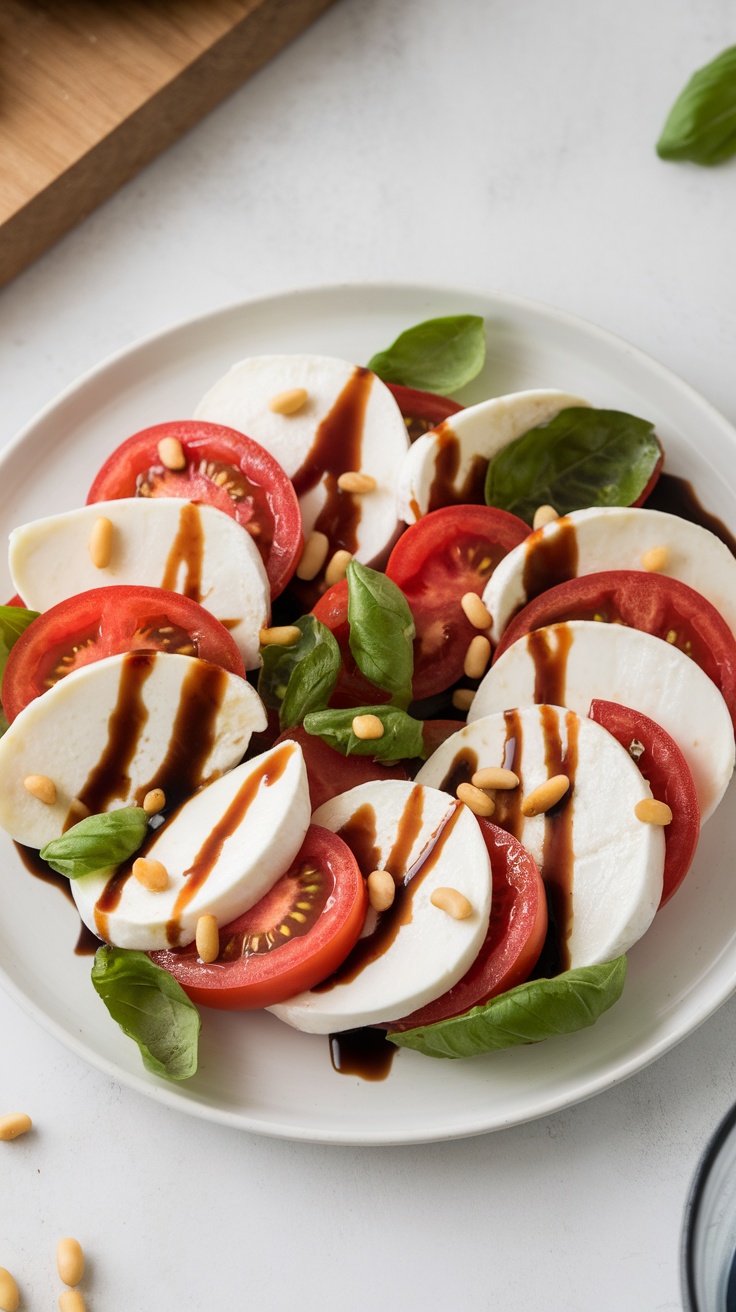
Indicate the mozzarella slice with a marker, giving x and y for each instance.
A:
(223, 850)
(420, 951)
(594, 848)
(614, 537)
(112, 730)
(576, 662)
(349, 422)
(470, 439)
(161, 542)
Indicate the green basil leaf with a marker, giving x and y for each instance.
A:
(301, 678)
(14, 620)
(151, 1008)
(702, 122)
(381, 631)
(439, 355)
(97, 842)
(402, 734)
(537, 1010)
(583, 457)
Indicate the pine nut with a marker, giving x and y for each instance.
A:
(477, 801)
(462, 699)
(72, 1301)
(494, 776)
(337, 567)
(283, 635)
(100, 542)
(40, 786)
(453, 902)
(655, 559)
(381, 890)
(151, 874)
(70, 1261)
(313, 556)
(79, 809)
(352, 481)
(477, 657)
(288, 402)
(13, 1125)
(544, 515)
(547, 795)
(171, 453)
(207, 938)
(653, 812)
(154, 801)
(367, 726)
(9, 1296)
(478, 614)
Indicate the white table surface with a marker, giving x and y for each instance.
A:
(507, 146)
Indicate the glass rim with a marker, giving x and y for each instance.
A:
(708, 1158)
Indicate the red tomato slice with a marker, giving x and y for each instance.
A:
(664, 607)
(667, 772)
(515, 937)
(224, 469)
(105, 622)
(329, 773)
(321, 901)
(422, 410)
(445, 554)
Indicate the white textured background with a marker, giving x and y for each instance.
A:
(507, 145)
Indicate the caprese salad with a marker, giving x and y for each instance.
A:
(345, 701)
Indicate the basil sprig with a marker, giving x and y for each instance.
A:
(439, 355)
(582, 457)
(381, 631)
(151, 1008)
(301, 678)
(702, 122)
(539, 1009)
(97, 842)
(402, 734)
(14, 621)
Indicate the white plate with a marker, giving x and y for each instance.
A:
(256, 1073)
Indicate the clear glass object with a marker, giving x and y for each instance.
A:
(708, 1264)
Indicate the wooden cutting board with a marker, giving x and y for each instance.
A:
(91, 90)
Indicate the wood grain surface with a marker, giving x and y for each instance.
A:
(91, 90)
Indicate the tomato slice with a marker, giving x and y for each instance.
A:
(224, 469)
(515, 937)
(664, 607)
(296, 936)
(329, 773)
(445, 554)
(667, 772)
(104, 622)
(422, 410)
